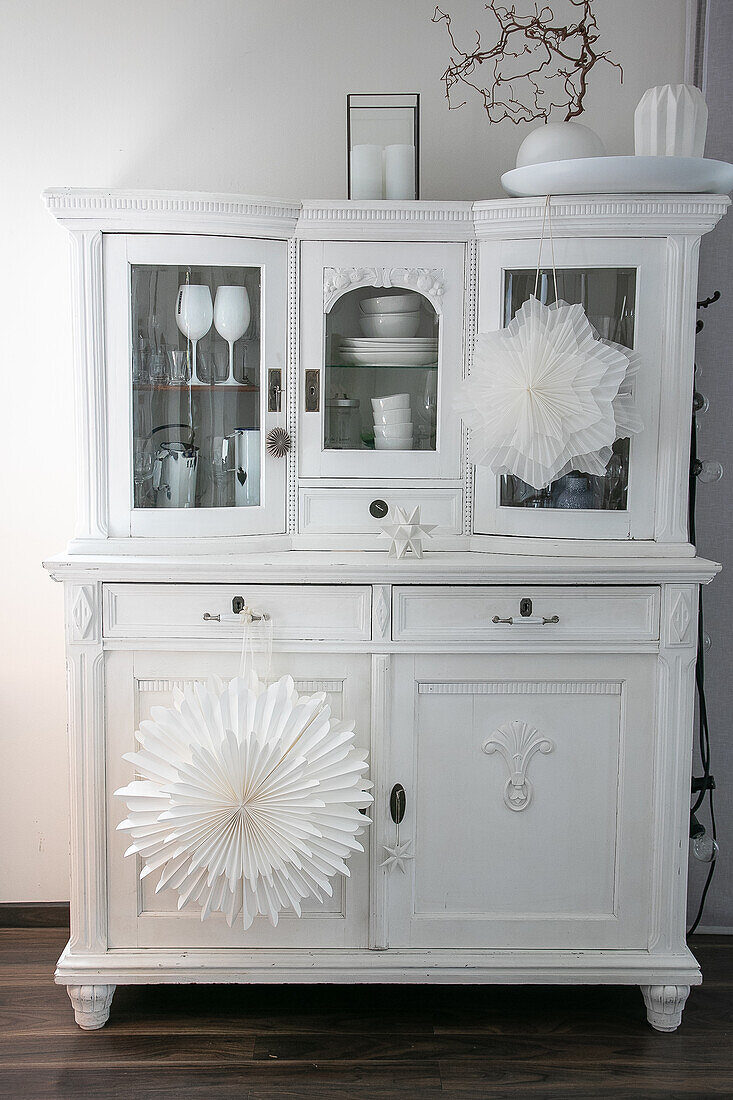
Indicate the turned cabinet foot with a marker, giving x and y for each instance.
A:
(664, 1004)
(91, 1004)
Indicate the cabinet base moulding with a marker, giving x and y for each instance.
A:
(267, 967)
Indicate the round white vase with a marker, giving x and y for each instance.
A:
(559, 141)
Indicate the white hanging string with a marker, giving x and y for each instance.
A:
(256, 640)
(546, 219)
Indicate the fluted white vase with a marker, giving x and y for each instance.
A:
(671, 121)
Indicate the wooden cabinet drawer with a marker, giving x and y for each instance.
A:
(347, 511)
(309, 612)
(482, 613)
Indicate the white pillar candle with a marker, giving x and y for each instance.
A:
(399, 171)
(366, 172)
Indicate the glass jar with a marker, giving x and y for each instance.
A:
(343, 431)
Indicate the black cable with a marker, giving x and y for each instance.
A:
(703, 727)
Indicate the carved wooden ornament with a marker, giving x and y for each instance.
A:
(517, 742)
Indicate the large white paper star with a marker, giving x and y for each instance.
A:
(546, 395)
(406, 533)
(249, 798)
(397, 856)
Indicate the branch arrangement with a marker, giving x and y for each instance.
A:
(535, 67)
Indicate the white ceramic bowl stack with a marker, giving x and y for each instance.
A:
(392, 422)
(396, 316)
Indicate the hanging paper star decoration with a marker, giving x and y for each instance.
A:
(546, 395)
(397, 856)
(406, 533)
(249, 798)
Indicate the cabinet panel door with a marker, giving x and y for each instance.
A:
(137, 681)
(188, 407)
(528, 784)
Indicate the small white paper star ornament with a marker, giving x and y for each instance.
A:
(547, 395)
(397, 855)
(406, 533)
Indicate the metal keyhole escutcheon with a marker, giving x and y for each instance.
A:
(397, 803)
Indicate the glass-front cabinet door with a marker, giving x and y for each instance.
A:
(381, 354)
(619, 285)
(196, 351)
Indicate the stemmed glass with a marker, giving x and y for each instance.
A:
(430, 405)
(232, 315)
(194, 314)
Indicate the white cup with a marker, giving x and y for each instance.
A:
(382, 444)
(392, 416)
(392, 401)
(393, 431)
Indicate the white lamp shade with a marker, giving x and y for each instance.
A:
(194, 311)
(232, 313)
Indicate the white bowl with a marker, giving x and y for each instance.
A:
(391, 303)
(393, 431)
(559, 141)
(392, 416)
(390, 324)
(391, 401)
(381, 444)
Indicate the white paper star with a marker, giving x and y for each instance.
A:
(546, 395)
(406, 533)
(249, 798)
(397, 856)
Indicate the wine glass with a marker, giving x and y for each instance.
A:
(194, 314)
(232, 315)
(430, 405)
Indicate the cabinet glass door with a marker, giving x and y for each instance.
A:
(608, 296)
(619, 285)
(195, 395)
(381, 351)
(206, 321)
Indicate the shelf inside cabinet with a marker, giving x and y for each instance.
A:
(207, 387)
(383, 366)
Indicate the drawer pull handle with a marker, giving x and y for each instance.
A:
(250, 616)
(535, 620)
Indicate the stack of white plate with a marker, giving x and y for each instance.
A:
(415, 351)
(392, 422)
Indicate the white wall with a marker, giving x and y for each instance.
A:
(226, 95)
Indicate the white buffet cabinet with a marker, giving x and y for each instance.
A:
(529, 682)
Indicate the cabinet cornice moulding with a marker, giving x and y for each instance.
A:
(386, 220)
(601, 215)
(171, 211)
(112, 210)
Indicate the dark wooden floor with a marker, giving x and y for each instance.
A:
(324, 1042)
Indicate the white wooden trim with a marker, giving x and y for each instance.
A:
(172, 212)
(600, 216)
(349, 567)
(508, 967)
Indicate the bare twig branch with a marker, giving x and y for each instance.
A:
(536, 66)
